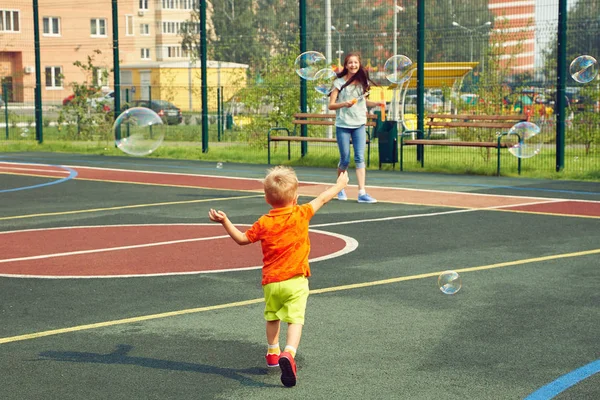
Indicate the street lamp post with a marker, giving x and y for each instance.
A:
(333, 28)
(397, 9)
(471, 32)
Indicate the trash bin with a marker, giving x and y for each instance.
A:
(387, 138)
(229, 121)
(378, 123)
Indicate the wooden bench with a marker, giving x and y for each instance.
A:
(435, 121)
(315, 120)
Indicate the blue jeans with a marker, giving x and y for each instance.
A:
(359, 138)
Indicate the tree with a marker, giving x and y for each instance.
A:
(81, 118)
(583, 35)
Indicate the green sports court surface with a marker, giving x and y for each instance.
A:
(115, 285)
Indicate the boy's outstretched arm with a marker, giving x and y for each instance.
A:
(220, 217)
(330, 193)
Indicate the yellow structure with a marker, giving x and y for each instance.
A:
(438, 75)
(179, 82)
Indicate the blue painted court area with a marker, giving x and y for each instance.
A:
(72, 175)
(566, 381)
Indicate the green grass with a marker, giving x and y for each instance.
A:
(578, 165)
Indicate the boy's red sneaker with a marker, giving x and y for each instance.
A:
(272, 360)
(288, 369)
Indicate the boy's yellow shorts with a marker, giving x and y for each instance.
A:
(286, 300)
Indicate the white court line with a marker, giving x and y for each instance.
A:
(10, 169)
(320, 183)
(434, 214)
(330, 184)
(106, 249)
(351, 244)
(165, 173)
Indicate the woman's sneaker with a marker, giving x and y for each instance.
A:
(365, 198)
(342, 195)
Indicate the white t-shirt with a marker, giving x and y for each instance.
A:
(350, 117)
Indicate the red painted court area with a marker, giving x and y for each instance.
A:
(133, 250)
(567, 207)
(396, 195)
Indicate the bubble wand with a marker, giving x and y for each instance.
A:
(362, 96)
(382, 105)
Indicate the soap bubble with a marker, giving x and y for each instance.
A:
(584, 69)
(309, 63)
(449, 282)
(398, 69)
(138, 131)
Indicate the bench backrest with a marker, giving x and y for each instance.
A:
(325, 119)
(474, 120)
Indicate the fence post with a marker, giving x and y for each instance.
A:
(219, 114)
(5, 97)
(39, 133)
(561, 79)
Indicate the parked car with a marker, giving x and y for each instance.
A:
(67, 100)
(432, 103)
(92, 91)
(95, 98)
(107, 101)
(169, 113)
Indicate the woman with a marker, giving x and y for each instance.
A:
(349, 100)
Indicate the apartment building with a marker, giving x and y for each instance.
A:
(514, 31)
(71, 31)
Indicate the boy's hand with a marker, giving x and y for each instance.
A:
(343, 179)
(217, 216)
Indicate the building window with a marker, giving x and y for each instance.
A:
(51, 26)
(179, 4)
(53, 77)
(145, 54)
(188, 4)
(171, 27)
(143, 4)
(129, 25)
(101, 75)
(173, 51)
(98, 27)
(189, 27)
(9, 21)
(145, 29)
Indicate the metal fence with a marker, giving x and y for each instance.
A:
(251, 81)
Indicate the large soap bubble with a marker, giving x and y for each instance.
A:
(309, 63)
(398, 69)
(324, 81)
(529, 141)
(584, 69)
(139, 131)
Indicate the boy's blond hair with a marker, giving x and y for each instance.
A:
(281, 185)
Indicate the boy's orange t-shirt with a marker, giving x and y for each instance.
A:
(283, 234)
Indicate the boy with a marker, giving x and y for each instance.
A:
(283, 234)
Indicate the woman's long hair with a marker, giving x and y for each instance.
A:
(362, 75)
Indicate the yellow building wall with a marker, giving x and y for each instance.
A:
(173, 84)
